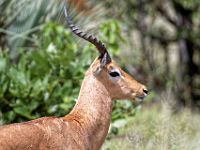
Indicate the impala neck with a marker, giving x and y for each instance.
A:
(93, 109)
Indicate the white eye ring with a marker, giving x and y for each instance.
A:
(114, 73)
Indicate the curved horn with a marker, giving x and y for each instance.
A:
(99, 45)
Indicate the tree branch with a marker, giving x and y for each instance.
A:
(160, 38)
(166, 15)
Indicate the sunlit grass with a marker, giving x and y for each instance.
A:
(158, 129)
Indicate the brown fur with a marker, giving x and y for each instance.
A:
(85, 127)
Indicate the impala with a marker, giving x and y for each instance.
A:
(86, 126)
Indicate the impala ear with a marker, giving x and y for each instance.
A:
(105, 59)
(97, 71)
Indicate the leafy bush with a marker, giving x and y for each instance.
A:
(46, 79)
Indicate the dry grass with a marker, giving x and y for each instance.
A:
(158, 129)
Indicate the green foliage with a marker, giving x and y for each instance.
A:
(46, 79)
(110, 33)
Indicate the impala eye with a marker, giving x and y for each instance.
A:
(114, 73)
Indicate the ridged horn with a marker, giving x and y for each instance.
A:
(99, 45)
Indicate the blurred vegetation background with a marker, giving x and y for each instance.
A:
(42, 64)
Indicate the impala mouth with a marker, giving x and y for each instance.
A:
(141, 97)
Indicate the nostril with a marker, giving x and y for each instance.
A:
(145, 91)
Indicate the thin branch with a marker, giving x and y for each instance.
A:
(166, 15)
(160, 38)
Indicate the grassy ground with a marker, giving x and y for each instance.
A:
(158, 129)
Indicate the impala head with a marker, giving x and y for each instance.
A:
(118, 83)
